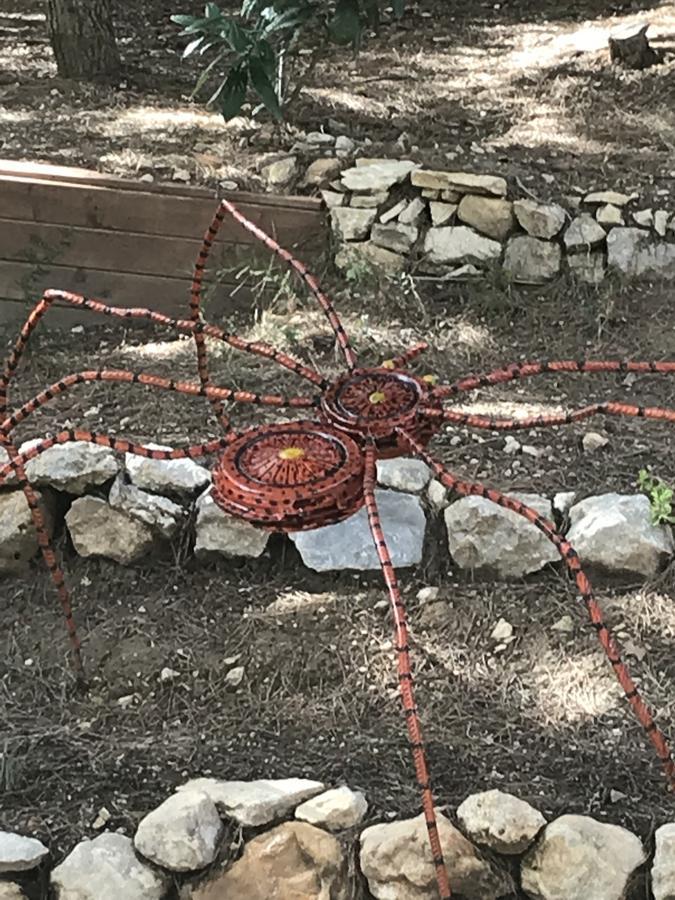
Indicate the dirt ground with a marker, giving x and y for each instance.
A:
(543, 719)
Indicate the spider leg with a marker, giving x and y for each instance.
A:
(120, 445)
(405, 678)
(258, 348)
(154, 381)
(48, 554)
(573, 564)
(608, 408)
(324, 302)
(400, 362)
(546, 367)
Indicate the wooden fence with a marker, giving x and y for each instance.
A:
(127, 242)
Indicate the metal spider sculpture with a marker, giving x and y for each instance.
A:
(321, 469)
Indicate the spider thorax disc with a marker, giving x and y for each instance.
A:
(374, 403)
(290, 477)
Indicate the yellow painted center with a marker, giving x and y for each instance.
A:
(291, 453)
(377, 397)
(388, 364)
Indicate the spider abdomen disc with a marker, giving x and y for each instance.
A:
(294, 476)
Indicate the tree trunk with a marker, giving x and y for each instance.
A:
(83, 39)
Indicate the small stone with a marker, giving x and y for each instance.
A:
(459, 244)
(18, 539)
(437, 495)
(182, 834)
(321, 171)
(451, 197)
(72, 467)
(464, 273)
(615, 533)
(412, 212)
(564, 625)
(660, 222)
(529, 260)
(159, 513)
(332, 198)
(612, 197)
(344, 145)
(349, 544)
(235, 677)
(403, 473)
(592, 441)
(428, 194)
(562, 501)
(579, 858)
(483, 535)
(352, 224)
(500, 821)
(368, 201)
(334, 810)
(511, 445)
(147, 178)
(19, 853)
(663, 867)
(181, 175)
(631, 252)
(368, 253)
(583, 232)
(428, 595)
(503, 631)
(586, 267)
(617, 796)
(644, 218)
(393, 211)
(441, 213)
(96, 529)
(281, 172)
(396, 861)
(395, 237)
(294, 861)
(491, 216)
(107, 868)
(540, 220)
(376, 175)
(102, 818)
(218, 532)
(255, 803)
(173, 476)
(319, 139)
(167, 675)
(609, 215)
(460, 182)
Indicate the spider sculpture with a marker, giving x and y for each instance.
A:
(321, 469)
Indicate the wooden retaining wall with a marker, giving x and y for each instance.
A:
(127, 242)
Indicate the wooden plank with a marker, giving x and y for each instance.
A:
(28, 170)
(92, 206)
(22, 285)
(117, 251)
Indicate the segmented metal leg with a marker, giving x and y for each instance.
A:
(499, 423)
(571, 561)
(405, 677)
(530, 369)
(324, 302)
(400, 362)
(153, 381)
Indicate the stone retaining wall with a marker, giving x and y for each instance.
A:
(300, 837)
(397, 216)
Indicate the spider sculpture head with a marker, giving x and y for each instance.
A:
(321, 469)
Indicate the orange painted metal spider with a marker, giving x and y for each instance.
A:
(321, 469)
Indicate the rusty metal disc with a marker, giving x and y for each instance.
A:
(291, 477)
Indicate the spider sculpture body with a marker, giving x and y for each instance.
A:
(321, 468)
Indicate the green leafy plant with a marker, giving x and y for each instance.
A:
(660, 497)
(251, 49)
